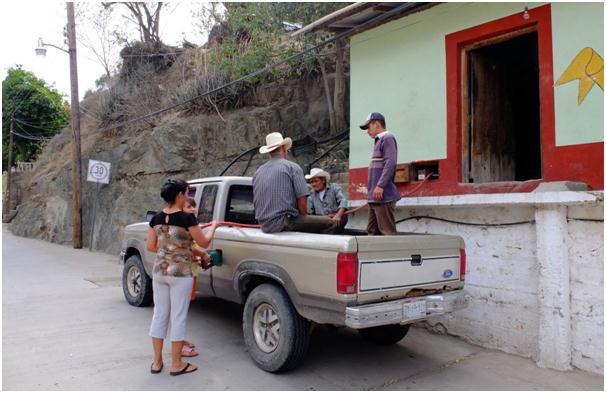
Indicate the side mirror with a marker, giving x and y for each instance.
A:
(150, 214)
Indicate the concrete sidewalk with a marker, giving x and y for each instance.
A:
(67, 326)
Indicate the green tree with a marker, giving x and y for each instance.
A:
(257, 37)
(36, 110)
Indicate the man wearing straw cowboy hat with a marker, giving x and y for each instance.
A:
(326, 199)
(280, 193)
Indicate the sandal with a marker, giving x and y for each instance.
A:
(187, 343)
(184, 371)
(188, 352)
(151, 369)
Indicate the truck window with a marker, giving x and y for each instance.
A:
(206, 207)
(240, 207)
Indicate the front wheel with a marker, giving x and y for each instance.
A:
(384, 335)
(136, 284)
(276, 336)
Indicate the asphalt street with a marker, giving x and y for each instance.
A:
(66, 326)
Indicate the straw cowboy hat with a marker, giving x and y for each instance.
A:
(318, 172)
(273, 141)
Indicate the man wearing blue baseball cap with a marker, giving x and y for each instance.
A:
(382, 191)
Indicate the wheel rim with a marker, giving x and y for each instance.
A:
(133, 281)
(266, 325)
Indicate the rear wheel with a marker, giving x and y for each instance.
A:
(384, 335)
(276, 336)
(136, 284)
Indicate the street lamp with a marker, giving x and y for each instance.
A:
(76, 150)
(41, 51)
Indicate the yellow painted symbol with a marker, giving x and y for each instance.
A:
(588, 68)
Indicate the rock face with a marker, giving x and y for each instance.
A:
(176, 146)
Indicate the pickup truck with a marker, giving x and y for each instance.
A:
(290, 281)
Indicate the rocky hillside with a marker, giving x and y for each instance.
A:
(189, 143)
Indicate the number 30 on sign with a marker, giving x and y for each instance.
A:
(98, 171)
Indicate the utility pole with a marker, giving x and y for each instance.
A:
(76, 152)
(7, 198)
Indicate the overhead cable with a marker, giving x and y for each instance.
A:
(382, 17)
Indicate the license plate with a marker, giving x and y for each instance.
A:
(414, 310)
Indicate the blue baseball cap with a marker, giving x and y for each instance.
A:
(371, 117)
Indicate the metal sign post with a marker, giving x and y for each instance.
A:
(98, 172)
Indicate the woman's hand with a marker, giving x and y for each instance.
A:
(206, 262)
(203, 238)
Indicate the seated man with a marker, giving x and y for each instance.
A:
(280, 193)
(326, 199)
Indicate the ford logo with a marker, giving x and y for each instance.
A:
(447, 273)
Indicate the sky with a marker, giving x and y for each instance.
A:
(23, 22)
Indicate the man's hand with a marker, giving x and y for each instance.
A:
(337, 216)
(377, 195)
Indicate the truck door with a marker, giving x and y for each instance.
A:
(239, 209)
(206, 197)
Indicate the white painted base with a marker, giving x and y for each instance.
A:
(519, 276)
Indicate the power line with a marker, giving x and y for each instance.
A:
(34, 126)
(20, 100)
(387, 15)
(30, 136)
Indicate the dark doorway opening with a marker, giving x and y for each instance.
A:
(501, 124)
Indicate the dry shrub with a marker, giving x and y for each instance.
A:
(205, 77)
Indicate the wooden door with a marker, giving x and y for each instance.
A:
(491, 138)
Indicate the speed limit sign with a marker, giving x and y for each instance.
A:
(98, 171)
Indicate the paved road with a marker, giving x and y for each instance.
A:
(66, 326)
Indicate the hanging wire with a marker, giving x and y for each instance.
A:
(387, 15)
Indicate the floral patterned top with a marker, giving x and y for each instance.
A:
(174, 254)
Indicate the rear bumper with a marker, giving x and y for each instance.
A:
(390, 313)
(122, 256)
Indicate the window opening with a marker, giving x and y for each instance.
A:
(206, 206)
(240, 208)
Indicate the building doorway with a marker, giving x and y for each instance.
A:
(501, 138)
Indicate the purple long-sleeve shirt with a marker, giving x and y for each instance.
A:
(382, 169)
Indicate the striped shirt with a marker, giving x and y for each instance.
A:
(329, 203)
(276, 186)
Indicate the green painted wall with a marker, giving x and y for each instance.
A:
(574, 27)
(399, 69)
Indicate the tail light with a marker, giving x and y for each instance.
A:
(347, 273)
(462, 265)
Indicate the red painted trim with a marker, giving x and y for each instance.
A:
(583, 163)
(358, 178)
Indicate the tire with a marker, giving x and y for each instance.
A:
(136, 284)
(384, 335)
(287, 347)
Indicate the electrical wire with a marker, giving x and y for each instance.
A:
(253, 150)
(21, 99)
(31, 137)
(37, 127)
(387, 15)
(28, 137)
(479, 224)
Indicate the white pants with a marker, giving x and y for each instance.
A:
(171, 302)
